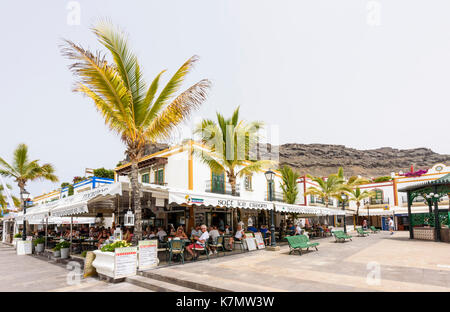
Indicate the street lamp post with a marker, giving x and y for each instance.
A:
(269, 177)
(24, 194)
(344, 198)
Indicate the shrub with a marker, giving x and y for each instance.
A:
(63, 244)
(83, 254)
(18, 235)
(382, 179)
(39, 240)
(56, 248)
(112, 247)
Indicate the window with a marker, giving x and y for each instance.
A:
(146, 178)
(248, 183)
(159, 176)
(218, 183)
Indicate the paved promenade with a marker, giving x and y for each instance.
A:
(380, 262)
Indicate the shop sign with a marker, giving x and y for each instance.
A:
(251, 243)
(125, 262)
(148, 254)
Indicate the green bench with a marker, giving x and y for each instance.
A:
(341, 236)
(374, 229)
(361, 232)
(299, 242)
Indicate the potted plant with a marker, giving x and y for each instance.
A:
(57, 251)
(104, 258)
(64, 248)
(39, 244)
(17, 237)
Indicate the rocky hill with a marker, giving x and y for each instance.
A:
(323, 159)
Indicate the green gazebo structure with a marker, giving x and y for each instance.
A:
(432, 192)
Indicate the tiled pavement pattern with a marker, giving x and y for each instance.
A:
(405, 265)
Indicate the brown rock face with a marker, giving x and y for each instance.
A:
(323, 159)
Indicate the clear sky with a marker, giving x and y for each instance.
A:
(364, 73)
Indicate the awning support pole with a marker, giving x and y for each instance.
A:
(46, 226)
(411, 234)
(71, 221)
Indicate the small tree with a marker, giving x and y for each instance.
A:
(104, 173)
(289, 185)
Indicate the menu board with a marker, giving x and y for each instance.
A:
(24, 247)
(148, 254)
(259, 241)
(125, 262)
(251, 243)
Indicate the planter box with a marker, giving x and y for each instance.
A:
(65, 253)
(445, 235)
(118, 264)
(39, 248)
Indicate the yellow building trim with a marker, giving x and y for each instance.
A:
(422, 180)
(190, 168)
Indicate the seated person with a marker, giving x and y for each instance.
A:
(128, 236)
(102, 237)
(291, 229)
(252, 229)
(200, 241)
(298, 230)
(266, 233)
(227, 230)
(196, 232)
(240, 235)
(161, 234)
(180, 233)
(214, 234)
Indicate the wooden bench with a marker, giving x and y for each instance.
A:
(299, 242)
(341, 236)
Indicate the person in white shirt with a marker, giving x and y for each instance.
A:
(161, 234)
(201, 241)
(298, 230)
(391, 225)
(214, 234)
(240, 235)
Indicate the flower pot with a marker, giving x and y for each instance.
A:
(56, 253)
(39, 248)
(104, 263)
(64, 253)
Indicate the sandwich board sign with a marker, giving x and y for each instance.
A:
(259, 241)
(125, 262)
(148, 254)
(251, 244)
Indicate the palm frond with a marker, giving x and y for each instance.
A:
(177, 111)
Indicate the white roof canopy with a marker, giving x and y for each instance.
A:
(307, 210)
(216, 200)
(78, 203)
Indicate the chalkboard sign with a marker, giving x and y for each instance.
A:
(259, 241)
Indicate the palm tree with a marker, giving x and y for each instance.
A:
(3, 202)
(230, 144)
(22, 170)
(130, 107)
(357, 196)
(331, 186)
(289, 186)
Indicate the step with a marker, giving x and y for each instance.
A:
(156, 285)
(152, 274)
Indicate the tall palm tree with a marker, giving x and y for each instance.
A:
(357, 196)
(131, 108)
(327, 188)
(230, 144)
(23, 170)
(289, 186)
(3, 201)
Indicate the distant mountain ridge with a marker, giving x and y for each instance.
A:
(323, 159)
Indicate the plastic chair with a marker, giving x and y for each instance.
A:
(176, 247)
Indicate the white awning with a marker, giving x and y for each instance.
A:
(19, 217)
(78, 203)
(307, 210)
(376, 212)
(183, 197)
(37, 213)
(64, 220)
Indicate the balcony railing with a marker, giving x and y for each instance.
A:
(374, 201)
(276, 196)
(226, 190)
